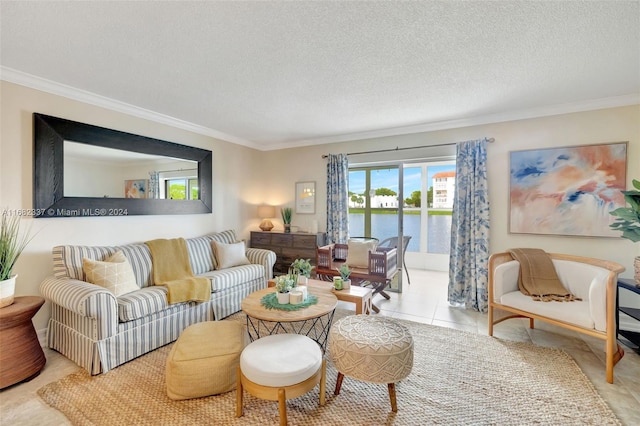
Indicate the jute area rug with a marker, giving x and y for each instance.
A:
(458, 378)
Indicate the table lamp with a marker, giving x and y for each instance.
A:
(265, 213)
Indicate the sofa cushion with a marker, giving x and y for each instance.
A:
(228, 255)
(67, 260)
(143, 302)
(223, 279)
(200, 254)
(576, 312)
(114, 273)
(358, 253)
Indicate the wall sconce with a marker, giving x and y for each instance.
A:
(265, 213)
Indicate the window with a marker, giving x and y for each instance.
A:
(181, 188)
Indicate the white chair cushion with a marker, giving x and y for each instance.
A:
(281, 360)
(576, 312)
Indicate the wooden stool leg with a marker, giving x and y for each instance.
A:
(239, 393)
(323, 381)
(338, 383)
(282, 407)
(392, 396)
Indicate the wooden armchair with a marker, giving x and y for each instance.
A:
(594, 281)
(382, 267)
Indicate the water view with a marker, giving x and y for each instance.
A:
(386, 225)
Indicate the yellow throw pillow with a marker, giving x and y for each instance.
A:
(228, 255)
(358, 253)
(114, 273)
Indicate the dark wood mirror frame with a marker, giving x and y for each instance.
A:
(49, 134)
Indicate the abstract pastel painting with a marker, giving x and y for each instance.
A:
(135, 188)
(568, 190)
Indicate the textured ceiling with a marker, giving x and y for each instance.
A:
(278, 74)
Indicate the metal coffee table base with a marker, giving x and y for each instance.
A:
(314, 328)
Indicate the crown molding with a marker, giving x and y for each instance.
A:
(568, 108)
(38, 83)
(34, 82)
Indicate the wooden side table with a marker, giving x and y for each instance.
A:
(21, 356)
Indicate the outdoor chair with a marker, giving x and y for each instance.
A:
(393, 243)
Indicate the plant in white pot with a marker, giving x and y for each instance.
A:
(284, 284)
(302, 268)
(12, 243)
(628, 221)
(345, 273)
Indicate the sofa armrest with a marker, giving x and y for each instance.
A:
(84, 299)
(504, 279)
(266, 258)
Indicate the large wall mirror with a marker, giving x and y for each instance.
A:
(85, 170)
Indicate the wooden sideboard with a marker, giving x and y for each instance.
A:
(288, 246)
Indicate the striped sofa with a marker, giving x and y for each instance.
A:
(100, 331)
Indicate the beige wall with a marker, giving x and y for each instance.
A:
(244, 178)
(602, 126)
(235, 185)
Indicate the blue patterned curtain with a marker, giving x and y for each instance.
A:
(154, 185)
(337, 198)
(469, 256)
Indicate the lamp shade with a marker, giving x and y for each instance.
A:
(265, 212)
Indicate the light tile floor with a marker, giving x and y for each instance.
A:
(425, 301)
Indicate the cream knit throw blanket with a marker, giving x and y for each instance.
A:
(538, 277)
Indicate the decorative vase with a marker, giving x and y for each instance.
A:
(346, 284)
(7, 291)
(283, 298)
(287, 228)
(302, 280)
(636, 266)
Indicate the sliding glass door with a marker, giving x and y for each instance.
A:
(411, 200)
(375, 206)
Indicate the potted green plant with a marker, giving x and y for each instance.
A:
(345, 273)
(628, 221)
(284, 284)
(286, 213)
(12, 243)
(302, 268)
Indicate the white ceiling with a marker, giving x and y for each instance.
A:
(280, 74)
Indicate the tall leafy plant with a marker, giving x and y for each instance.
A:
(628, 218)
(12, 243)
(286, 213)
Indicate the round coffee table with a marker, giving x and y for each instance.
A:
(313, 321)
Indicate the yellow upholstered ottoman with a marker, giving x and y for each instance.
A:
(204, 360)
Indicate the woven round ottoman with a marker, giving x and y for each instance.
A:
(204, 359)
(280, 367)
(373, 349)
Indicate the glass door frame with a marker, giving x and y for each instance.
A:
(400, 217)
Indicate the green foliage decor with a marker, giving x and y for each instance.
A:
(345, 272)
(628, 218)
(286, 213)
(12, 243)
(301, 267)
(284, 283)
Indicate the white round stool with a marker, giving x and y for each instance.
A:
(280, 367)
(371, 348)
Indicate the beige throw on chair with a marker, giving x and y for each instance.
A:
(538, 277)
(171, 268)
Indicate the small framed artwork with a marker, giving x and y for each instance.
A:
(136, 188)
(306, 197)
(568, 190)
